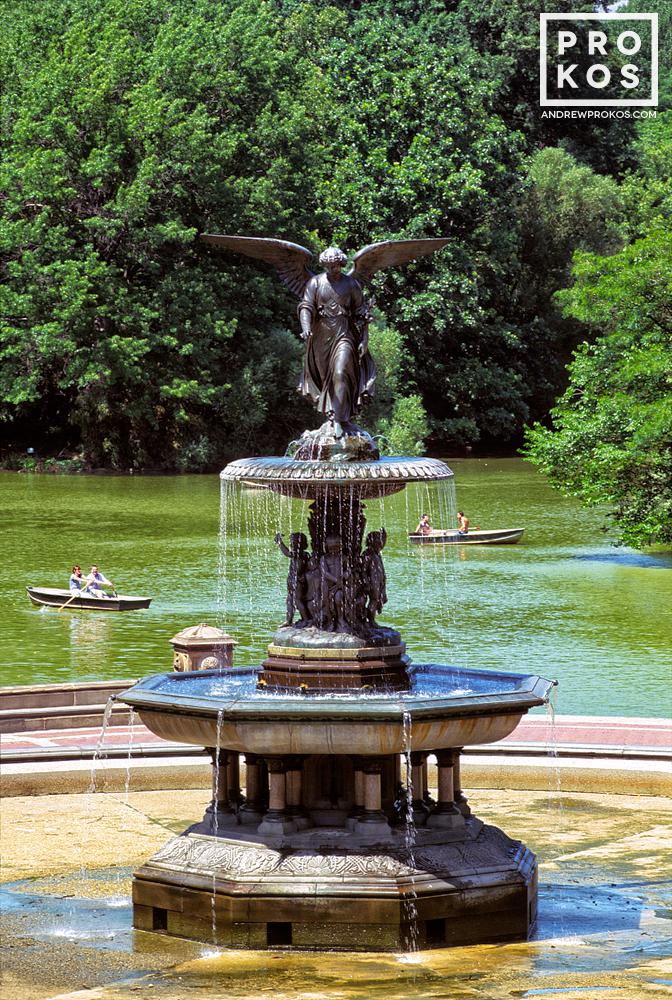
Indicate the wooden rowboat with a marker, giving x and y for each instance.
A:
(502, 536)
(50, 597)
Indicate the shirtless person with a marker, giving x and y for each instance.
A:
(463, 522)
(424, 527)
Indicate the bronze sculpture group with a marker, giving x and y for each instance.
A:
(334, 591)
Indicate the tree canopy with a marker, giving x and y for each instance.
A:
(610, 440)
(129, 126)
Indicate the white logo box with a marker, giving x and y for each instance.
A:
(579, 18)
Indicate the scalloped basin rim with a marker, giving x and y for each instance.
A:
(315, 472)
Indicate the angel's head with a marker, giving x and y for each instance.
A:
(333, 259)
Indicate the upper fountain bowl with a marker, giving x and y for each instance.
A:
(305, 479)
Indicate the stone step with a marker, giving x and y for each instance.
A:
(60, 706)
(55, 695)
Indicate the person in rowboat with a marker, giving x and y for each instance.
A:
(424, 527)
(76, 580)
(95, 581)
(463, 522)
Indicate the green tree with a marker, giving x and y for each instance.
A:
(422, 154)
(564, 206)
(396, 413)
(127, 126)
(611, 437)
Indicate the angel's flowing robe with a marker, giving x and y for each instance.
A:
(334, 376)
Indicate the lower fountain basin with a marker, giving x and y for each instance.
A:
(447, 708)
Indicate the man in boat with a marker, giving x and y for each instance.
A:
(95, 581)
(463, 522)
(76, 580)
(424, 527)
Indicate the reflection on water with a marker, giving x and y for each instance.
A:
(90, 637)
(563, 603)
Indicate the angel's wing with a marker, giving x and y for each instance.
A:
(289, 259)
(389, 253)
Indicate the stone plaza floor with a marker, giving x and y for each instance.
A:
(604, 929)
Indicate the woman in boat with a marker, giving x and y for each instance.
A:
(76, 580)
(95, 581)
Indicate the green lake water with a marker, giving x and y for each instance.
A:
(564, 603)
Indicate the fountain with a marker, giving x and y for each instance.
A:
(328, 847)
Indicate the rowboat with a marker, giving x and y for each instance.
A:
(50, 597)
(502, 536)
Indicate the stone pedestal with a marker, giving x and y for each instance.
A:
(309, 659)
(326, 889)
(202, 647)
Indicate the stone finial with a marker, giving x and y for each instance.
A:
(202, 647)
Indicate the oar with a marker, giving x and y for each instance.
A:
(74, 596)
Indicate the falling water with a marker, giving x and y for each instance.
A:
(91, 790)
(215, 820)
(447, 556)
(98, 752)
(554, 786)
(131, 733)
(410, 900)
(252, 568)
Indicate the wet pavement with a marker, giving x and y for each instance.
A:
(605, 909)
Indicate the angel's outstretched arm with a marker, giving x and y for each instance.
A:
(290, 260)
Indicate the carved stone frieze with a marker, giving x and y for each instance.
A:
(233, 861)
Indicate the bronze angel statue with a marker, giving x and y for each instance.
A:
(338, 372)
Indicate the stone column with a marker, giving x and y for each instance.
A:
(446, 814)
(418, 770)
(460, 797)
(220, 810)
(252, 810)
(426, 797)
(276, 821)
(293, 784)
(357, 793)
(235, 798)
(372, 821)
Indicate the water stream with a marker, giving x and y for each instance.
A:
(409, 905)
(215, 820)
(99, 752)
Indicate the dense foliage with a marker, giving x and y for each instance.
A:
(120, 143)
(610, 441)
(128, 126)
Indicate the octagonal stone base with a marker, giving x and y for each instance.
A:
(451, 888)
